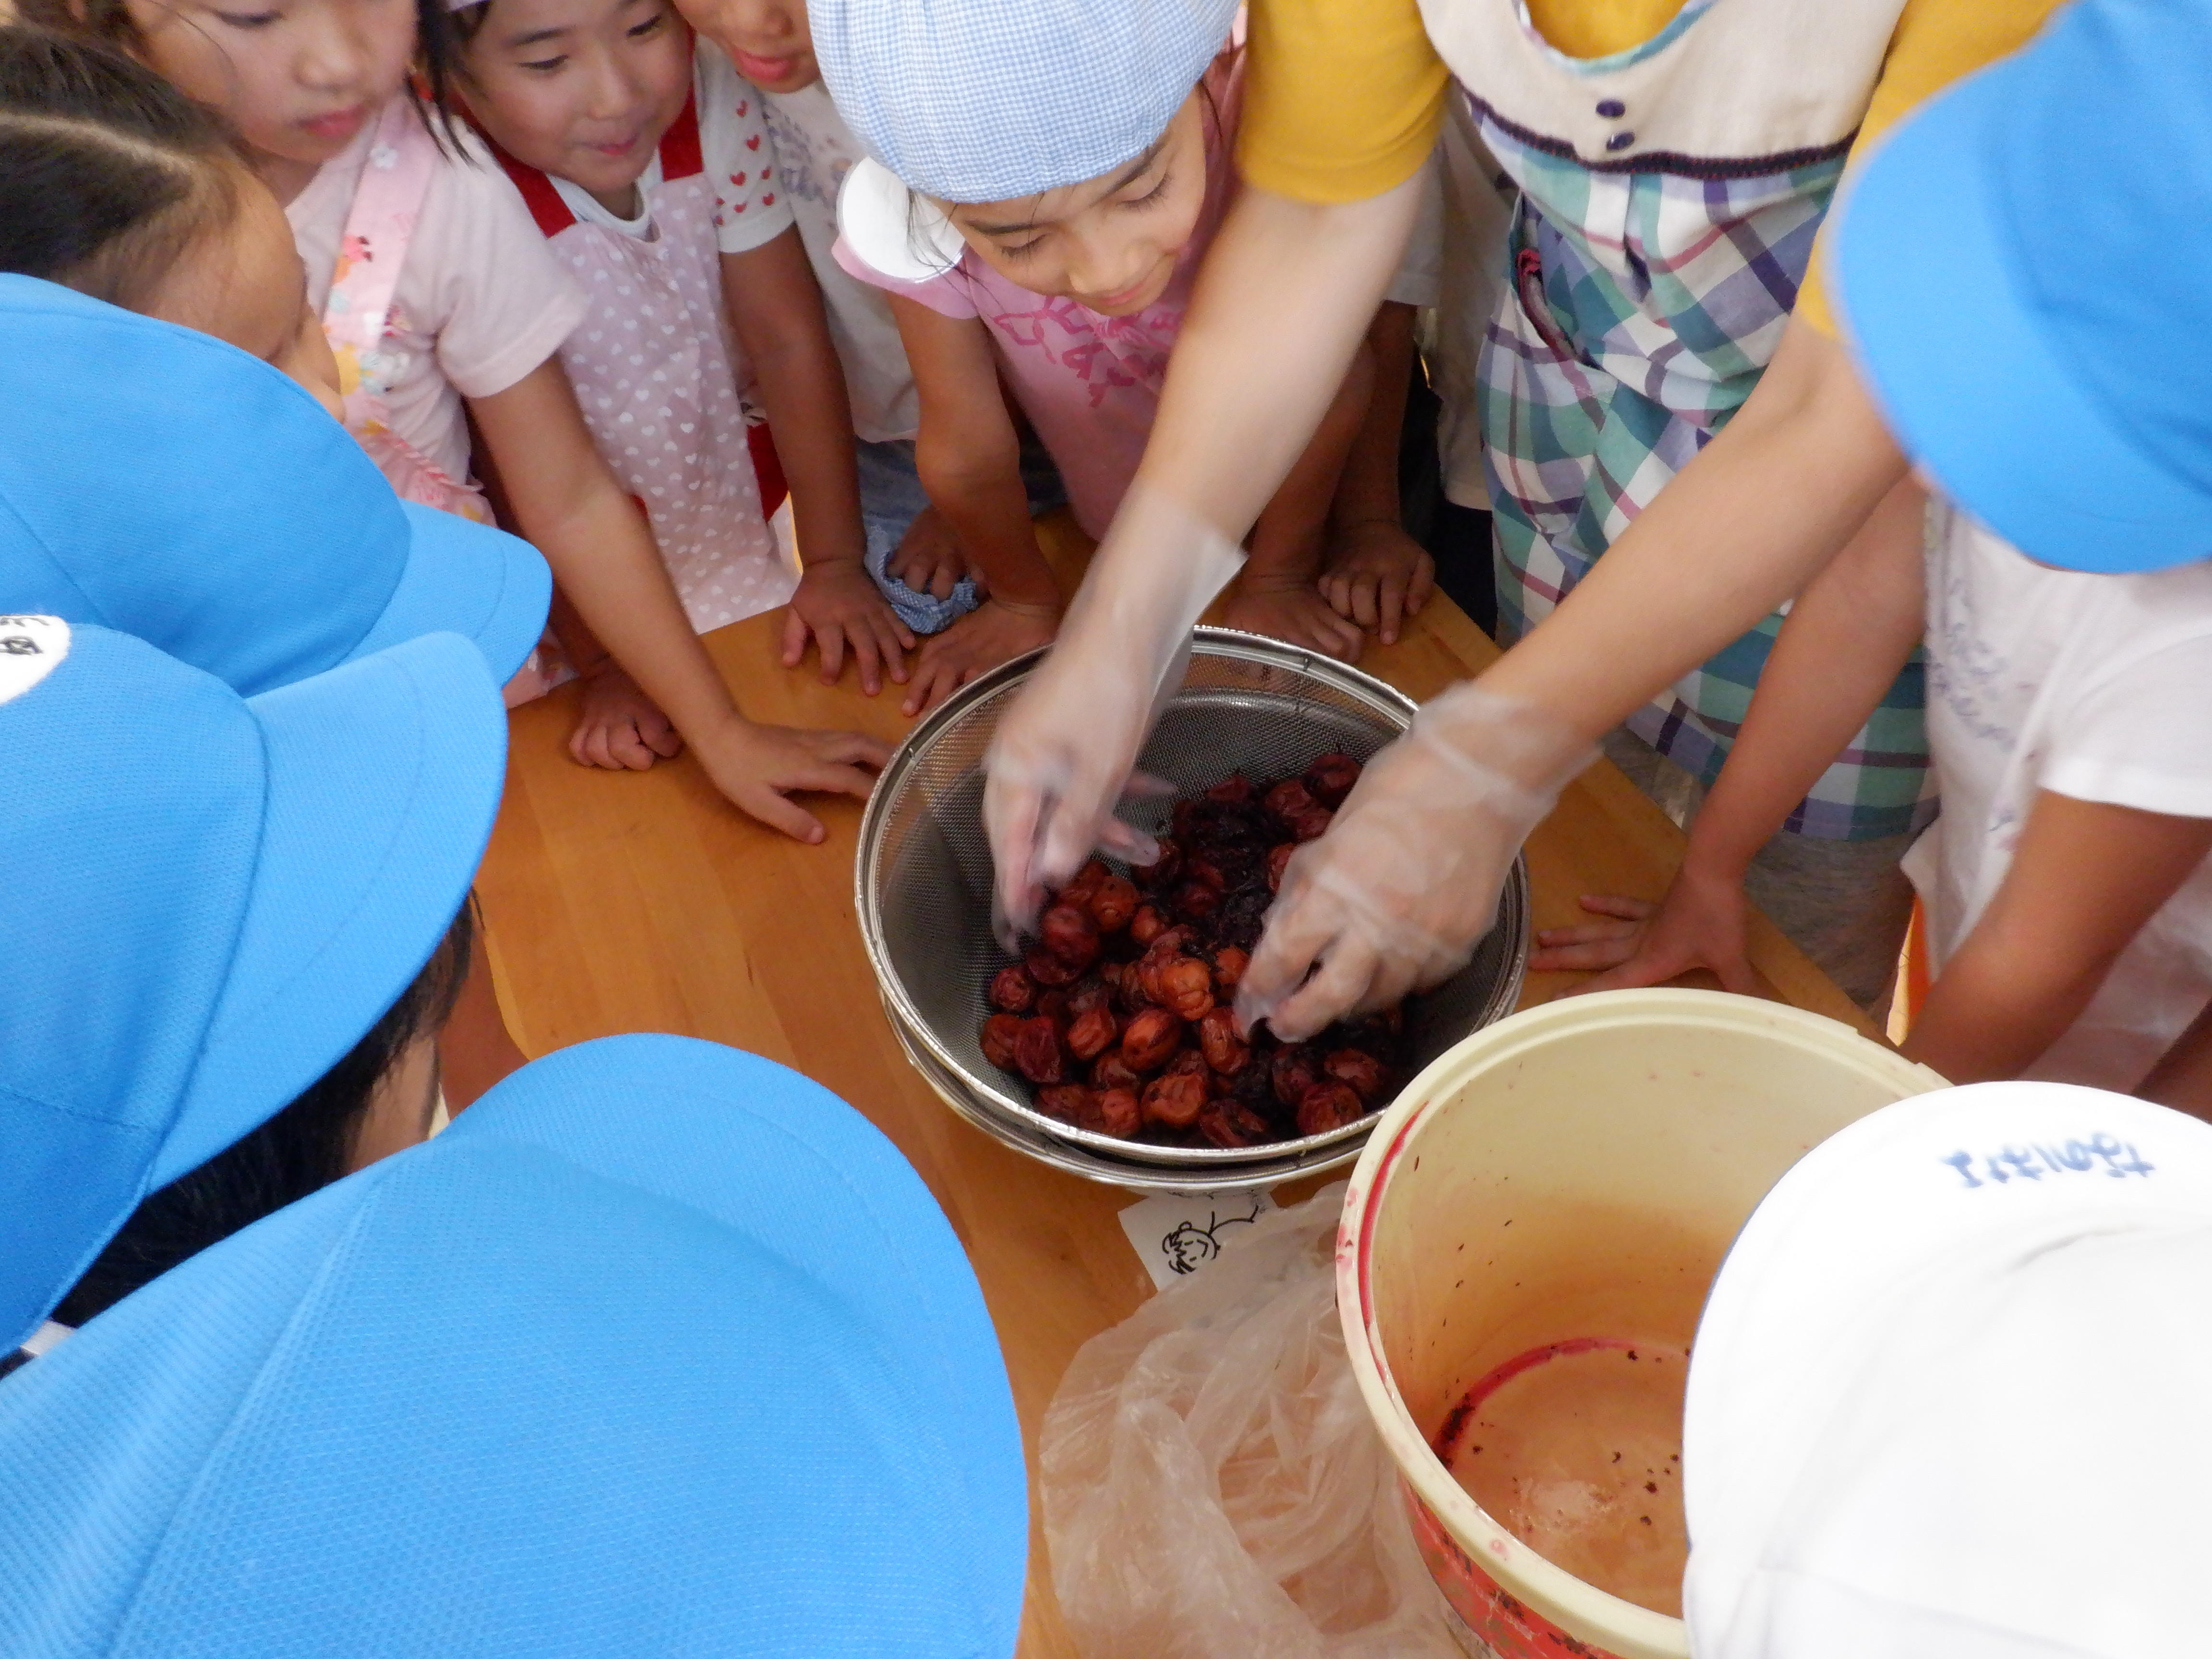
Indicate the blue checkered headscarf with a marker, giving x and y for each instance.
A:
(985, 101)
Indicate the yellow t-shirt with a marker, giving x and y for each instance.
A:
(1343, 98)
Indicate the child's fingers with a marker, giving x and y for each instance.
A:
(829, 638)
(1392, 607)
(835, 781)
(849, 748)
(943, 580)
(1586, 933)
(867, 661)
(1336, 588)
(1423, 584)
(1363, 601)
(664, 740)
(794, 637)
(932, 679)
(899, 630)
(628, 744)
(1618, 904)
(762, 801)
(1582, 956)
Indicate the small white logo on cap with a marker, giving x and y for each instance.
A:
(31, 647)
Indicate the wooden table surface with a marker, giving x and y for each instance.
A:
(642, 902)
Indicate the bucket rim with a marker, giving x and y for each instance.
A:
(1634, 1632)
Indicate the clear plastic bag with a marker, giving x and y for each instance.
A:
(1213, 1488)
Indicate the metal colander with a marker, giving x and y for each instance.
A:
(923, 891)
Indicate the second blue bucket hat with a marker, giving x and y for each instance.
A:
(213, 898)
(157, 480)
(2021, 270)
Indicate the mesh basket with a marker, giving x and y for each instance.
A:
(924, 891)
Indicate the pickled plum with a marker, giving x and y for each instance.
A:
(1149, 1039)
(1174, 1100)
(1069, 933)
(1328, 1106)
(1000, 1032)
(1039, 1055)
(1092, 1033)
(1012, 991)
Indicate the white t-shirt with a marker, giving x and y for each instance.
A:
(2095, 687)
(814, 150)
(481, 300)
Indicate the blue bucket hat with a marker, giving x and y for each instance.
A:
(2020, 269)
(978, 101)
(213, 898)
(660, 1349)
(155, 480)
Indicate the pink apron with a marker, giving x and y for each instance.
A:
(387, 204)
(655, 368)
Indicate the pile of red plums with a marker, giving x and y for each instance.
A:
(1119, 1011)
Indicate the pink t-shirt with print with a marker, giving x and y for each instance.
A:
(1089, 384)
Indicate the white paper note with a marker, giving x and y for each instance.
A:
(1178, 1234)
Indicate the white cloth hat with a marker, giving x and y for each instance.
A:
(984, 100)
(1952, 1393)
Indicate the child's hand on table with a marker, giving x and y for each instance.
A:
(929, 558)
(994, 632)
(756, 767)
(1290, 609)
(618, 727)
(1701, 923)
(1377, 576)
(837, 604)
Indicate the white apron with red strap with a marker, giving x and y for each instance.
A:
(381, 223)
(655, 368)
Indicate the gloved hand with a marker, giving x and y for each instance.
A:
(1065, 752)
(1405, 883)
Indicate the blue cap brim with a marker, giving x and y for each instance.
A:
(384, 777)
(1964, 365)
(660, 1349)
(470, 579)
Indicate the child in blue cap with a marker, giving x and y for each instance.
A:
(660, 1349)
(2065, 596)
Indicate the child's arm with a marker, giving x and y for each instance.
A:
(970, 461)
(2183, 1077)
(1377, 575)
(567, 504)
(1278, 591)
(2084, 878)
(1847, 637)
(775, 307)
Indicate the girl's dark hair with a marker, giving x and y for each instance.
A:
(108, 172)
(438, 44)
(305, 1147)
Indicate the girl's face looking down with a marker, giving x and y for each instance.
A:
(1109, 244)
(297, 79)
(243, 283)
(767, 39)
(582, 89)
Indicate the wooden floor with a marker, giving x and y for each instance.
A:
(642, 902)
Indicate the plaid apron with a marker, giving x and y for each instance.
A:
(1642, 307)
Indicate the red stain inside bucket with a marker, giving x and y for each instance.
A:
(1576, 1449)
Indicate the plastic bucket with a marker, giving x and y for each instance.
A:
(1574, 1172)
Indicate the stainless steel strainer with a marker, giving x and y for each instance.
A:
(923, 891)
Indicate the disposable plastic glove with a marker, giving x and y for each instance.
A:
(1398, 893)
(1066, 752)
